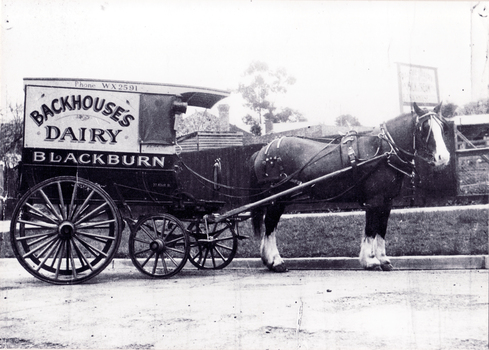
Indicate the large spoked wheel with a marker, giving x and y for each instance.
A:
(159, 245)
(214, 250)
(65, 230)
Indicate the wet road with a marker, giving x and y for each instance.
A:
(247, 309)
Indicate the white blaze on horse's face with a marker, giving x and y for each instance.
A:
(441, 156)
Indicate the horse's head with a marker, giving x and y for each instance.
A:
(429, 136)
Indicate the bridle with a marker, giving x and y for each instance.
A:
(396, 151)
(420, 120)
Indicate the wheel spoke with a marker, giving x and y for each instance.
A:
(169, 234)
(50, 205)
(38, 224)
(24, 238)
(39, 247)
(223, 247)
(199, 253)
(39, 213)
(204, 258)
(155, 229)
(83, 207)
(46, 257)
(223, 239)
(148, 258)
(91, 214)
(176, 250)
(102, 238)
(165, 267)
(212, 257)
(63, 211)
(169, 257)
(143, 251)
(179, 238)
(72, 202)
(220, 254)
(94, 224)
(140, 240)
(72, 260)
(81, 257)
(152, 238)
(33, 243)
(91, 247)
(156, 263)
(58, 249)
(60, 260)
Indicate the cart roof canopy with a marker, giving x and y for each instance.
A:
(193, 96)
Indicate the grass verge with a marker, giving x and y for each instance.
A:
(448, 232)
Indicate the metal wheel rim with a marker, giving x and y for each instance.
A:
(65, 230)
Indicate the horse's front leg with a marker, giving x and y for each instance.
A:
(372, 252)
(384, 214)
(368, 260)
(270, 255)
(268, 248)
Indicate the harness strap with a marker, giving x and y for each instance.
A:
(349, 140)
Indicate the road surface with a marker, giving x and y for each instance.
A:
(247, 309)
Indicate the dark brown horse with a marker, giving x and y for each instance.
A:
(389, 152)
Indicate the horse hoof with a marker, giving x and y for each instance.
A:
(374, 268)
(387, 267)
(279, 268)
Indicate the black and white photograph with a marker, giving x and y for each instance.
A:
(244, 175)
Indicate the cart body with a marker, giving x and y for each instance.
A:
(107, 132)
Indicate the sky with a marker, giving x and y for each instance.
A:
(342, 54)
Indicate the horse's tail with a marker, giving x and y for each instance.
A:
(256, 213)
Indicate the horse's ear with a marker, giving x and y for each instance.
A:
(437, 109)
(418, 110)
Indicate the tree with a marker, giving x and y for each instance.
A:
(198, 121)
(448, 110)
(263, 83)
(479, 107)
(347, 120)
(288, 115)
(11, 136)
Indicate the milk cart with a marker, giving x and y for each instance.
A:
(99, 155)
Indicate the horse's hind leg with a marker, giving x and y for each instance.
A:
(268, 248)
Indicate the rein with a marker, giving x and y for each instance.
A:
(384, 135)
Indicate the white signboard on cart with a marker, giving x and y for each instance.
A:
(63, 118)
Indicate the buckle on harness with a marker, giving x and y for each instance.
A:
(351, 156)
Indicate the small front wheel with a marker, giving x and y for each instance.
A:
(212, 247)
(159, 245)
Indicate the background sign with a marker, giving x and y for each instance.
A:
(417, 84)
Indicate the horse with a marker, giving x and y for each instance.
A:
(374, 166)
